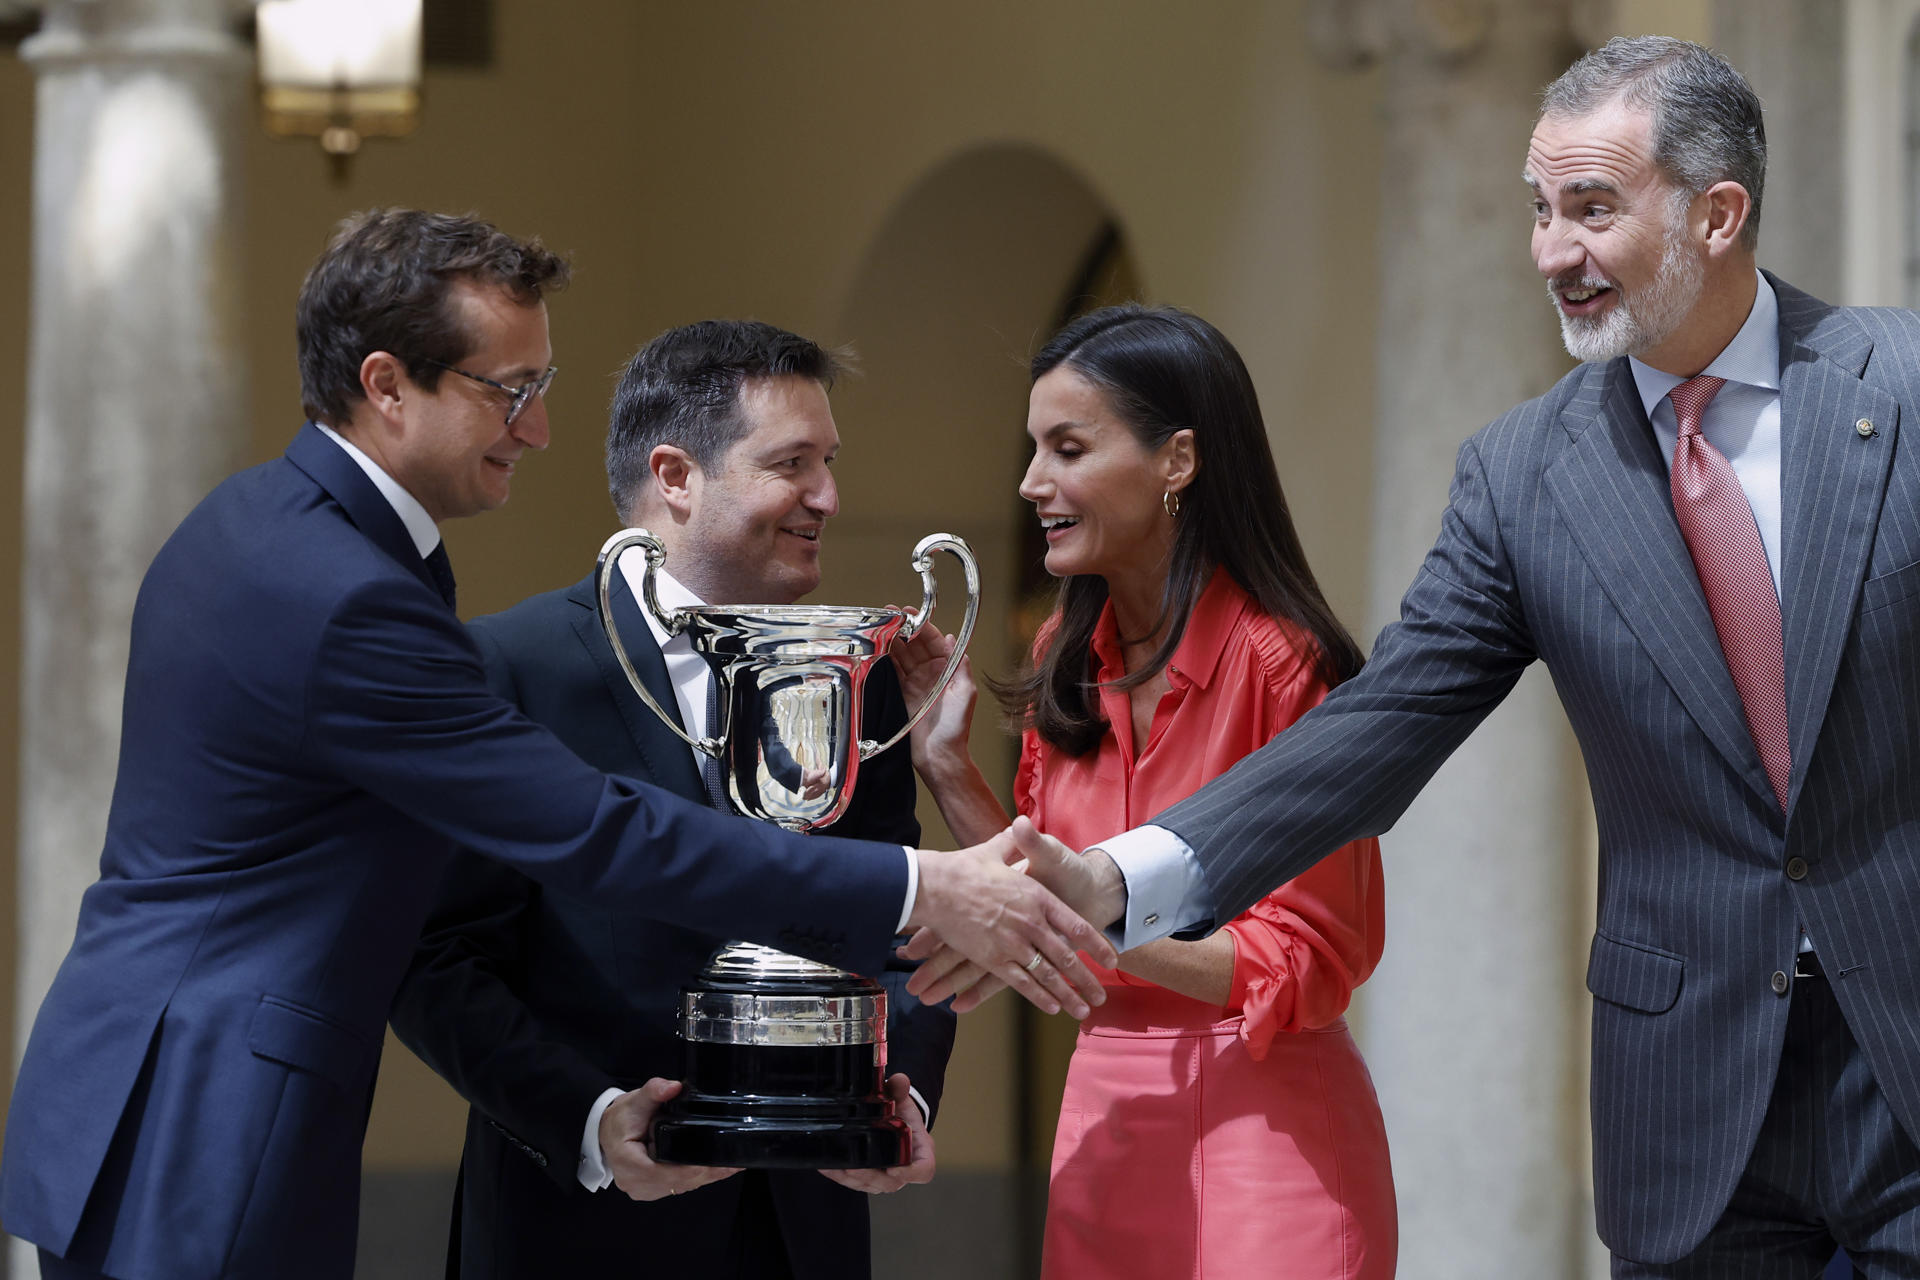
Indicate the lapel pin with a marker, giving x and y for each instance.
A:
(1864, 427)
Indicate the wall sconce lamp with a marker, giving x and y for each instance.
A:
(339, 70)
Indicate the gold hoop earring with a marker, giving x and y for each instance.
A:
(1171, 501)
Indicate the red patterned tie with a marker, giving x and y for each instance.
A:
(1725, 543)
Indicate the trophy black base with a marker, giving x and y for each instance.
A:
(751, 1102)
(769, 1143)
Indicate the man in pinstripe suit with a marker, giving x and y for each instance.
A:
(1756, 967)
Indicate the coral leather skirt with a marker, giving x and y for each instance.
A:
(1178, 1155)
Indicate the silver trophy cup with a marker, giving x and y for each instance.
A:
(785, 1058)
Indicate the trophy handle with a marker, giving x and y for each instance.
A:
(674, 622)
(923, 563)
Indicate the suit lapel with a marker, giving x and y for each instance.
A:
(1832, 482)
(330, 468)
(669, 761)
(1612, 487)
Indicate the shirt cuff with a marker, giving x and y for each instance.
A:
(1166, 889)
(913, 891)
(593, 1172)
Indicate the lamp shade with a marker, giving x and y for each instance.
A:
(328, 44)
(339, 70)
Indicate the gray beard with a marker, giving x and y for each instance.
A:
(1645, 319)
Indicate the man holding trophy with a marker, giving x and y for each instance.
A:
(308, 736)
(547, 1010)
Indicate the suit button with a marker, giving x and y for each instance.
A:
(1796, 868)
(1779, 982)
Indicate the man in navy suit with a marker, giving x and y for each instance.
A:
(547, 1010)
(1710, 533)
(307, 735)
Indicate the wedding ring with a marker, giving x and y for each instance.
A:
(1036, 962)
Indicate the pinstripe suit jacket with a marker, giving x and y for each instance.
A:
(1559, 543)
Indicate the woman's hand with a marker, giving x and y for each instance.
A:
(939, 741)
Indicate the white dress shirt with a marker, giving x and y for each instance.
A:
(1166, 887)
(420, 526)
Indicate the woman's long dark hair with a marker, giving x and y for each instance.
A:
(1164, 369)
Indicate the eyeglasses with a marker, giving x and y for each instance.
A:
(518, 397)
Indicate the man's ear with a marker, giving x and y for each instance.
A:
(1182, 458)
(1728, 208)
(385, 384)
(675, 476)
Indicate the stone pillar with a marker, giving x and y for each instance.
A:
(1794, 54)
(136, 393)
(1472, 1026)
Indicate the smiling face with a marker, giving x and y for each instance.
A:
(1614, 239)
(1096, 488)
(752, 530)
(450, 447)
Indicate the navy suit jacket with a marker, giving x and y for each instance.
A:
(306, 736)
(1559, 543)
(534, 1002)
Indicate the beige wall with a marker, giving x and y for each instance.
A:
(752, 159)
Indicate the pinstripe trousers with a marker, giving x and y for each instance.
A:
(1832, 1167)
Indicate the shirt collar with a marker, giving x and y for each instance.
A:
(420, 526)
(667, 589)
(1197, 657)
(1753, 357)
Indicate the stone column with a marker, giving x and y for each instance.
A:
(1472, 1026)
(136, 393)
(1794, 53)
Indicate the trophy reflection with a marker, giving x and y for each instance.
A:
(785, 1058)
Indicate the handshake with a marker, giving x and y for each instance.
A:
(1013, 912)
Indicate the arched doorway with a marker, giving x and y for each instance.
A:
(975, 266)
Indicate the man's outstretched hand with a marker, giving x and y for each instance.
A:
(982, 923)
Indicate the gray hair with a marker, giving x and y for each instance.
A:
(1706, 117)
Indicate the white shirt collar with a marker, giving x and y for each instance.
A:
(667, 589)
(1753, 357)
(420, 526)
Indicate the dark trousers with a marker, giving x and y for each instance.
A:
(1832, 1168)
(52, 1268)
(759, 1254)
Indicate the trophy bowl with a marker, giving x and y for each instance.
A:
(785, 1058)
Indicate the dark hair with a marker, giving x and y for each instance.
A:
(1165, 369)
(1707, 124)
(385, 284)
(683, 389)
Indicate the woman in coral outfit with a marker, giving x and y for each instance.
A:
(1218, 1120)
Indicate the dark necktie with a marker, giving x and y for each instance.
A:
(710, 765)
(441, 570)
(1718, 526)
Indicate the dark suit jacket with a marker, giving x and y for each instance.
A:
(306, 737)
(533, 1002)
(1560, 543)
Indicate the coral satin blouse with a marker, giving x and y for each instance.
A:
(1238, 677)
